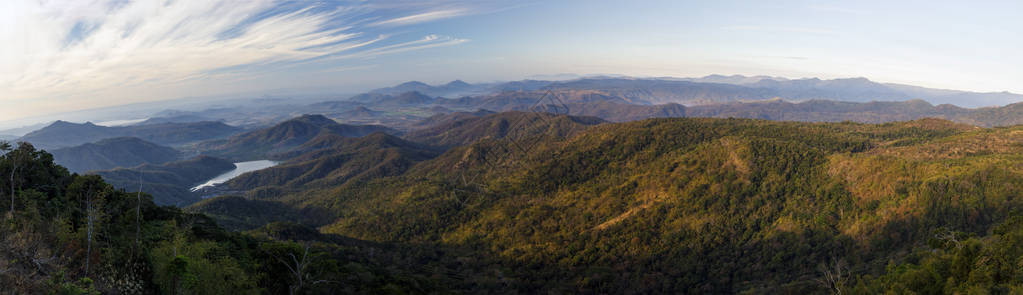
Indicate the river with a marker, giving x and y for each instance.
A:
(240, 168)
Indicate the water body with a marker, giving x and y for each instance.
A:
(116, 123)
(240, 168)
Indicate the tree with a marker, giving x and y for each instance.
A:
(5, 150)
(299, 270)
(90, 190)
(138, 212)
(833, 275)
(12, 159)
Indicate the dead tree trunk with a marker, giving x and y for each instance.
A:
(14, 170)
(298, 270)
(138, 212)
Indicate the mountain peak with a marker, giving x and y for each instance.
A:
(315, 119)
(413, 84)
(457, 83)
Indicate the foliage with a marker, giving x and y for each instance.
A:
(76, 234)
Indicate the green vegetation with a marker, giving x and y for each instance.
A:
(683, 205)
(113, 153)
(74, 234)
(169, 183)
(282, 138)
(531, 203)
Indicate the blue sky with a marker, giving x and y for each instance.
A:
(70, 55)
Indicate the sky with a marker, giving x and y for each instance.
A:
(59, 56)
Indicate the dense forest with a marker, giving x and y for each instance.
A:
(66, 233)
(539, 203)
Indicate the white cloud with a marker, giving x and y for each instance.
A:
(786, 29)
(422, 17)
(141, 43)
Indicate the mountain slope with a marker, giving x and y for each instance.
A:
(615, 205)
(168, 183)
(450, 133)
(112, 153)
(76, 234)
(263, 143)
(65, 134)
(451, 89)
(333, 160)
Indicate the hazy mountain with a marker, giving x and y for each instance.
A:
(168, 183)
(450, 117)
(733, 79)
(451, 89)
(334, 106)
(21, 131)
(359, 112)
(863, 90)
(112, 153)
(182, 118)
(283, 137)
(621, 112)
(450, 133)
(650, 91)
(959, 98)
(66, 134)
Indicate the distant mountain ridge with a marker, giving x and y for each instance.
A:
(453, 88)
(715, 89)
(112, 153)
(67, 134)
(263, 143)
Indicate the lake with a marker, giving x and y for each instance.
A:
(240, 168)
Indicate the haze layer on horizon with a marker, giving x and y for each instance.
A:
(61, 56)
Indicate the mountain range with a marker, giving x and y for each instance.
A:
(536, 199)
(617, 203)
(722, 89)
(66, 134)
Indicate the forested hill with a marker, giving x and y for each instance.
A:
(283, 137)
(66, 134)
(75, 234)
(655, 206)
(113, 153)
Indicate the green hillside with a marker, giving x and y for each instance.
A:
(113, 153)
(564, 206)
(76, 234)
(688, 205)
(168, 183)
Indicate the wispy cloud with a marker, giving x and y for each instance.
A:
(66, 48)
(841, 10)
(784, 29)
(422, 17)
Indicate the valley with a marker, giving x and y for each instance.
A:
(587, 186)
(511, 147)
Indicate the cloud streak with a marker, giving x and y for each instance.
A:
(68, 49)
(782, 29)
(422, 17)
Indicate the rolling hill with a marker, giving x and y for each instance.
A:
(611, 206)
(66, 134)
(469, 128)
(168, 183)
(112, 153)
(283, 137)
